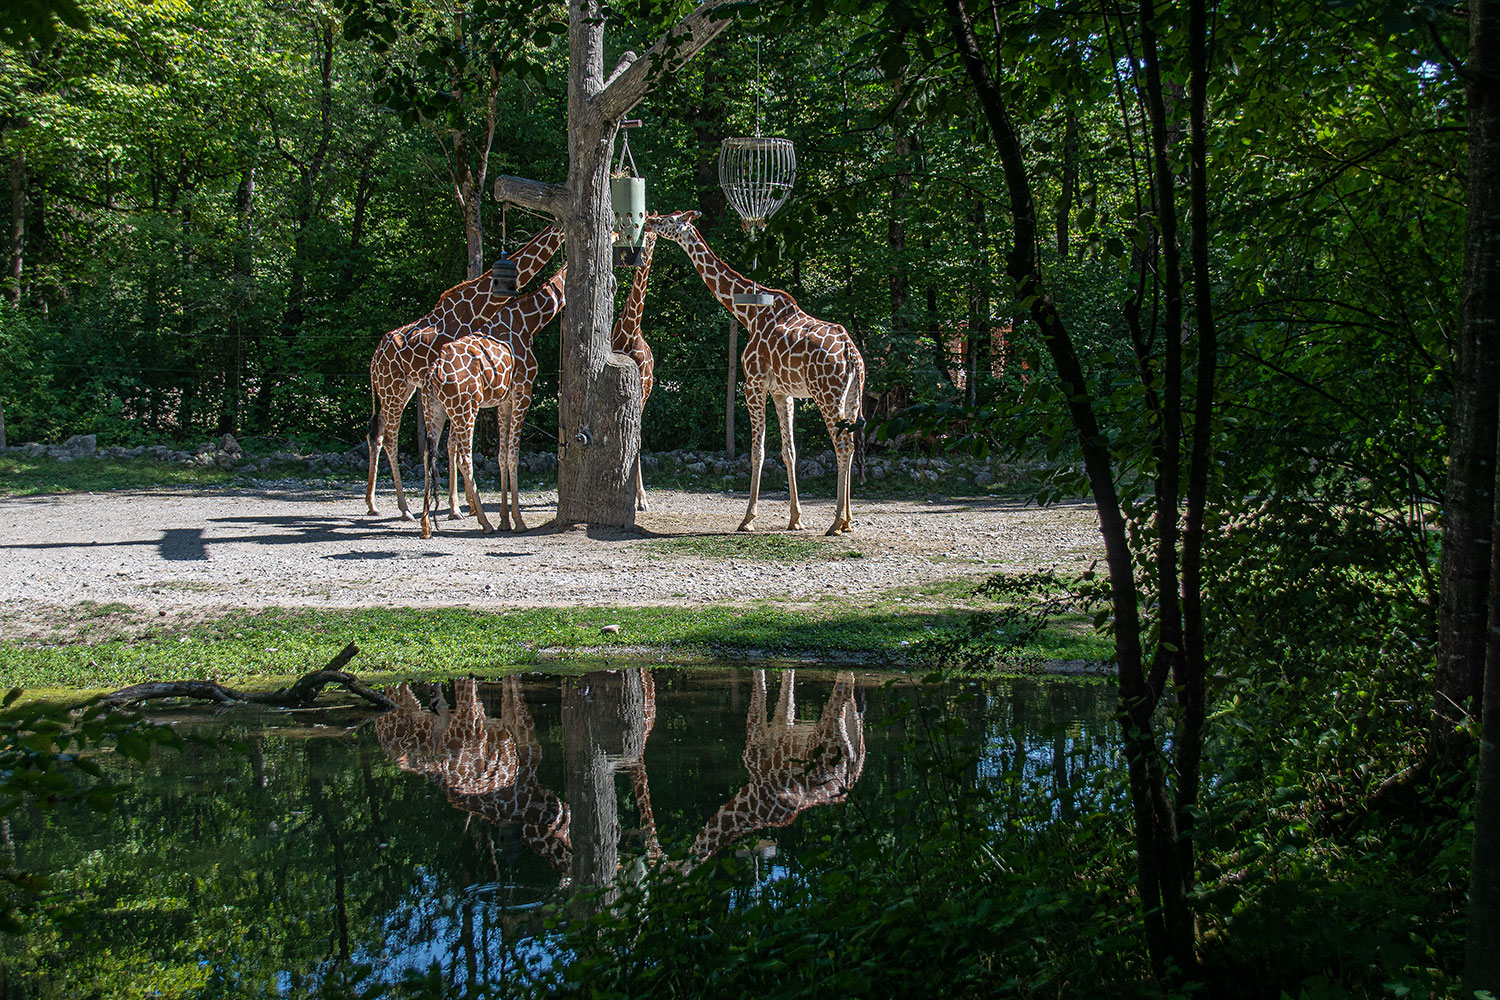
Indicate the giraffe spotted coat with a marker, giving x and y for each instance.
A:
(788, 355)
(407, 352)
(479, 371)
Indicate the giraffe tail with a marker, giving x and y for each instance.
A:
(852, 402)
(373, 433)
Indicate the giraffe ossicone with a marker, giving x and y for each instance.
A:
(789, 355)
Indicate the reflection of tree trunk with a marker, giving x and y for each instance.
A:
(603, 717)
(372, 790)
(1060, 775)
(466, 908)
(315, 760)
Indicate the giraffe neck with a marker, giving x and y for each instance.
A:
(547, 302)
(532, 257)
(628, 326)
(469, 303)
(724, 281)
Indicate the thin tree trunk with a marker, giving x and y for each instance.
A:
(1469, 498)
(1168, 927)
(1480, 318)
(1191, 682)
(14, 272)
(1069, 181)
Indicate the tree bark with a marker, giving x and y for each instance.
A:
(599, 433)
(1469, 498)
(1480, 320)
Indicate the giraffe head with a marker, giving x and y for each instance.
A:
(674, 225)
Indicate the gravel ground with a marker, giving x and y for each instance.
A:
(197, 553)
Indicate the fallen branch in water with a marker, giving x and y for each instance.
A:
(301, 693)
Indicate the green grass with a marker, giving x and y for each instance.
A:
(284, 643)
(33, 476)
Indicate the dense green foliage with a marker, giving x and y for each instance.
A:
(217, 230)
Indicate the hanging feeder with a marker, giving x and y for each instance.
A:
(503, 275)
(757, 175)
(627, 196)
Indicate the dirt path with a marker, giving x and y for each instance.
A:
(201, 552)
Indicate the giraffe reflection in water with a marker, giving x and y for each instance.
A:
(793, 765)
(486, 767)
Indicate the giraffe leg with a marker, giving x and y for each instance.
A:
(426, 402)
(454, 514)
(463, 429)
(502, 459)
(373, 445)
(843, 447)
(843, 516)
(755, 401)
(785, 407)
(391, 409)
(640, 486)
(521, 404)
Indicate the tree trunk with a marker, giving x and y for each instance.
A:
(603, 722)
(1069, 181)
(1480, 324)
(1469, 499)
(468, 203)
(599, 400)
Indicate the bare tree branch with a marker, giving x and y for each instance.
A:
(676, 47)
(549, 199)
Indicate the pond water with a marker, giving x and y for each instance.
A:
(256, 859)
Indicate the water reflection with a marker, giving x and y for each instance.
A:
(793, 765)
(441, 832)
(486, 767)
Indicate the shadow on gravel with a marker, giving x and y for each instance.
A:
(182, 545)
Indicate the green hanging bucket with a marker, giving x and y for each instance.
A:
(627, 196)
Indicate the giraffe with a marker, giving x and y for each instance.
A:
(793, 765)
(405, 353)
(486, 767)
(788, 355)
(626, 339)
(478, 371)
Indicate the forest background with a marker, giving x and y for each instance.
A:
(215, 209)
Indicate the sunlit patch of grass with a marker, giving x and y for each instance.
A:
(282, 643)
(21, 476)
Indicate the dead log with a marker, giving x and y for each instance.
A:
(303, 692)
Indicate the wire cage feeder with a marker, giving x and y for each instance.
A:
(757, 175)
